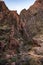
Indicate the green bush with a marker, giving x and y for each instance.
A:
(13, 59)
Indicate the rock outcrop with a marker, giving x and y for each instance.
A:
(39, 41)
(26, 25)
(3, 7)
(9, 25)
(33, 19)
(21, 36)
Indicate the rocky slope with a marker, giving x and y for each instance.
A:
(33, 19)
(21, 36)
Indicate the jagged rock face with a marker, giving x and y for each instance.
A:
(8, 25)
(3, 7)
(38, 39)
(33, 19)
(29, 23)
(40, 1)
(16, 30)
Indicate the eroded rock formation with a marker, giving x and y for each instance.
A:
(19, 40)
(9, 25)
(33, 19)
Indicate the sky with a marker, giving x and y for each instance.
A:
(19, 4)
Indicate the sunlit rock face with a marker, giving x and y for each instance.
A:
(33, 19)
(38, 39)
